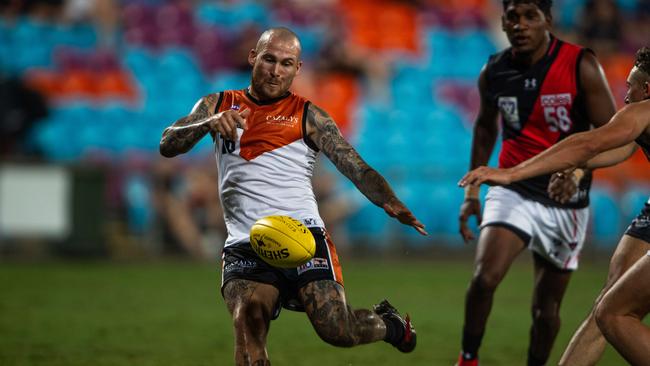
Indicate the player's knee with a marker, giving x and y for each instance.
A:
(251, 317)
(605, 319)
(485, 282)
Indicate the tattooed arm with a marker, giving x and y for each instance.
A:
(322, 130)
(180, 137)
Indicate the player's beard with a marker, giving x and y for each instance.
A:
(266, 88)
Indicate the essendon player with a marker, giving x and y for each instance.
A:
(266, 141)
(625, 299)
(544, 89)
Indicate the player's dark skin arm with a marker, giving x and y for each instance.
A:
(486, 131)
(599, 100)
(322, 130)
(486, 128)
(180, 137)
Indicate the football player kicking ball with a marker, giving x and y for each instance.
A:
(625, 299)
(266, 142)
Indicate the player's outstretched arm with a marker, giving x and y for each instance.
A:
(612, 157)
(322, 130)
(574, 151)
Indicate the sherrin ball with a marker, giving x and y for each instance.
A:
(282, 241)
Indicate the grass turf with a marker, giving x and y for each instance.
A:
(171, 313)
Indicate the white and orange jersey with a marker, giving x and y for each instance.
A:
(268, 170)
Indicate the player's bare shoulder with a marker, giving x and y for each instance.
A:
(323, 131)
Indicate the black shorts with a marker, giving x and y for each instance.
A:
(640, 226)
(241, 262)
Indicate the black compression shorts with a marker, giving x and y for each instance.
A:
(241, 262)
(640, 226)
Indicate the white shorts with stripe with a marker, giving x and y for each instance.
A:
(556, 234)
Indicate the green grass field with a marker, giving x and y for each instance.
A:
(171, 313)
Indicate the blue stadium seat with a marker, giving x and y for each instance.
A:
(230, 80)
(138, 203)
(369, 224)
(80, 35)
(139, 60)
(606, 219)
(633, 200)
(571, 11)
(233, 16)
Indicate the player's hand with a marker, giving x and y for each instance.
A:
(486, 175)
(395, 208)
(471, 206)
(227, 122)
(562, 186)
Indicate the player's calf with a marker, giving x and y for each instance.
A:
(399, 331)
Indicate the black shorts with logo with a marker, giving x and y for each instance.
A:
(640, 226)
(241, 262)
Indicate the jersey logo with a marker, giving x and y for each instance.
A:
(530, 84)
(509, 111)
(556, 111)
(288, 121)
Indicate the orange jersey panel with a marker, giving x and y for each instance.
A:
(271, 125)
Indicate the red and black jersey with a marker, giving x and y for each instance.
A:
(539, 106)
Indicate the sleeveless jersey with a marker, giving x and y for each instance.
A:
(268, 170)
(539, 106)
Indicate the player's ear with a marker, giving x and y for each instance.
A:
(251, 57)
(503, 22)
(298, 67)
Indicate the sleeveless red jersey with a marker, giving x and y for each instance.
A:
(539, 106)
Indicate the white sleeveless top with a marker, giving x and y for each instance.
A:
(268, 170)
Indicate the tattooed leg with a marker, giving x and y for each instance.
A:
(251, 306)
(334, 320)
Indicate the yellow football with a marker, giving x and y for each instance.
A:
(282, 241)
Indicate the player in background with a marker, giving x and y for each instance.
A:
(266, 142)
(625, 299)
(544, 89)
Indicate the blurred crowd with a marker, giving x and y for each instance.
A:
(94, 82)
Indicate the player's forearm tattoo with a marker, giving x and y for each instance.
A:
(334, 321)
(346, 159)
(186, 132)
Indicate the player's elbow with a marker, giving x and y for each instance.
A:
(166, 149)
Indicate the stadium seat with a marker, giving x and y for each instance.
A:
(633, 200)
(230, 80)
(369, 225)
(606, 219)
